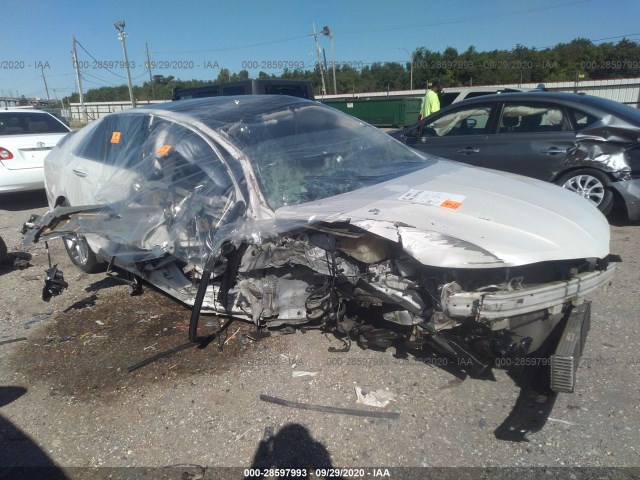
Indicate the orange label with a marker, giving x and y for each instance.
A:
(163, 150)
(115, 137)
(453, 205)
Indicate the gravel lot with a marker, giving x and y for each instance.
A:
(68, 401)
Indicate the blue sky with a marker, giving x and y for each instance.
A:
(195, 38)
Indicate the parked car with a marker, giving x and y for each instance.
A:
(283, 211)
(26, 137)
(588, 145)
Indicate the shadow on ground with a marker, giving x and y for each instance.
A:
(20, 455)
(15, 202)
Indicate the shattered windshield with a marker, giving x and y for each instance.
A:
(305, 153)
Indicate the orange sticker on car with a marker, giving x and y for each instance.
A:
(115, 137)
(163, 150)
(452, 204)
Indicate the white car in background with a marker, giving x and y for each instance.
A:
(26, 137)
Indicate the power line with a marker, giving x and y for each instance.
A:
(94, 59)
(98, 84)
(378, 29)
(108, 83)
(594, 40)
(239, 47)
(460, 20)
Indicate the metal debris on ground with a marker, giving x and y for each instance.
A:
(36, 318)
(379, 398)
(13, 340)
(233, 335)
(329, 409)
(300, 373)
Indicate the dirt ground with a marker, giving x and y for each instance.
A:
(70, 402)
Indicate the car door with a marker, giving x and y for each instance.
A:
(459, 134)
(531, 139)
(97, 171)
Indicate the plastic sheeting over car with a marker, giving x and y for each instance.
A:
(175, 180)
(188, 177)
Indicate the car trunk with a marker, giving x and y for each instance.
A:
(28, 150)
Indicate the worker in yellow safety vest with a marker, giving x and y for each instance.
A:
(431, 102)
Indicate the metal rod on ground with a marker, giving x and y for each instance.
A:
(328, 409)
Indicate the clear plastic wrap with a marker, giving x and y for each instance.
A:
(184, 179)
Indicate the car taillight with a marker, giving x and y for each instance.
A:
(5, 154)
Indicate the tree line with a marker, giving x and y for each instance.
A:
(577, 60)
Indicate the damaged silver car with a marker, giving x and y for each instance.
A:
(588, 145)
(284, 212)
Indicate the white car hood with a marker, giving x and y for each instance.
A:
(456, 216)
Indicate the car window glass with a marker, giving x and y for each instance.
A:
(183, 174)
(311, 152)
(447, 99)
(582, 119)
(29, 123)
(93, 145)
(532, 118)
(114, 140)
(468, 121)
(181, 157)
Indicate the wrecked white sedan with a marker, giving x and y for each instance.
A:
(284, 212)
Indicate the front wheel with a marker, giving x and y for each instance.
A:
(590, 184)
(81, 254)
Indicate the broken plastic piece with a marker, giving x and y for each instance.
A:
(54, 283)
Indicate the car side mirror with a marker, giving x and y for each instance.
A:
(471, 122)
(426, 132)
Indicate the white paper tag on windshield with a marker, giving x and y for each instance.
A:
(440, 199)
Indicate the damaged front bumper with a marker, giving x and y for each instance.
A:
(498, 308)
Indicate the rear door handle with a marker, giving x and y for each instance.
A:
(79, 172)
(554, 150)
(469, 150)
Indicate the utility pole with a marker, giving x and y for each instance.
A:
(45, 81)
(153, 93)
(85, 119)
(328, 32)
(122, 35)
(411, 69)
(315, 38)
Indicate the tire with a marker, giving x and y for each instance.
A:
(81, 254)
(590, 184)
(3, 250)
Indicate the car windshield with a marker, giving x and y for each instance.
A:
(303, 153)
(29, 123)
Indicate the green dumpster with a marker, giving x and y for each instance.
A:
(380, 111)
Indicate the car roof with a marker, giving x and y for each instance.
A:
(223, 109)
(22, 110)
(560, 97)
